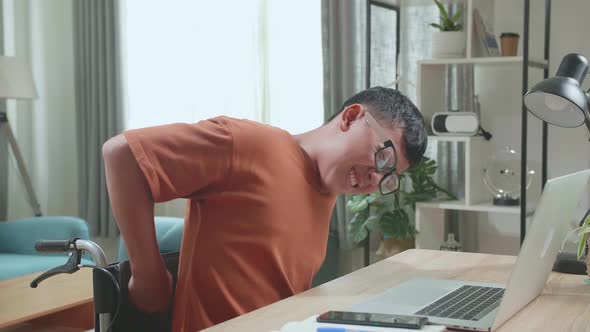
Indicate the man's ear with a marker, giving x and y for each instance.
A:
(350, 114)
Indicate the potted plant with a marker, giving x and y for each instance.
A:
(392, 215)
(449, 41)
(584, 242)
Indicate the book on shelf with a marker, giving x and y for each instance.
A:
(486, 38)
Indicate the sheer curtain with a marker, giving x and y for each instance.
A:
(40, 32)
(344, 75)
(416, 41)
(98, 105)
(187, 60)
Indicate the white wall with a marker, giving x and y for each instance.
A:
(41, 31)
(568, 149)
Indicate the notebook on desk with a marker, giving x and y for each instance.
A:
(311, 325)
(481, 306)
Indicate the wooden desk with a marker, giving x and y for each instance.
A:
(564, 304)
(61, 301)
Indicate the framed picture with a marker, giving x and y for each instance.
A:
(490, 44)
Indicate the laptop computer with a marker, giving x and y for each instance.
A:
(478, 306)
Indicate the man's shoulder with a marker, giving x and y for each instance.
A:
(249, 128)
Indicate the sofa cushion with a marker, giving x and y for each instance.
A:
(20, 236)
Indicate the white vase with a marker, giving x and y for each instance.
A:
(448, 44)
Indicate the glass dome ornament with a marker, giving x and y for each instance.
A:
(502, 177)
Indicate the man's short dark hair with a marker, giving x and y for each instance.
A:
(390, 107)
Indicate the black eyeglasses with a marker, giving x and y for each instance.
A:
(385, 159)
(385, 162)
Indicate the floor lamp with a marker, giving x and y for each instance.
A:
(16, 82)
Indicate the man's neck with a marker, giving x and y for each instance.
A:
(312, 142)
(315, 143)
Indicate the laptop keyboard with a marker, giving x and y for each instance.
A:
(467, 303)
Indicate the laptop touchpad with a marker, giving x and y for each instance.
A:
(406, 298)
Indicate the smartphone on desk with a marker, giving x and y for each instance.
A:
(369, 319)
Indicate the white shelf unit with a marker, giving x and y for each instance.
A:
(430, 216)
(474, 49)
(539, 63)
(431, 78)
(473, 147)
(462, 206)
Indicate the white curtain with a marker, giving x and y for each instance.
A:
(187, 60)
(416, 44)
(99, 110)
(344, 75)
(40, 32)
(415, 41)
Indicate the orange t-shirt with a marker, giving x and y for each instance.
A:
(257, 220)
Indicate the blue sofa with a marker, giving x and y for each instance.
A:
(17, 243)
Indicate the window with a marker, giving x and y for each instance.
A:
(187, 60)
(383, 46)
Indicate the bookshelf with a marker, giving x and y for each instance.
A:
(501, 106)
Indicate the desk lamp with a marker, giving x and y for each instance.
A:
(560, 101)
(16, 82)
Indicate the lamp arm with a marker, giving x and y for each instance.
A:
(586, 114)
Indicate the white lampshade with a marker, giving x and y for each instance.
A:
(16, 79)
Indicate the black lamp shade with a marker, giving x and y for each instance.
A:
(560, 100)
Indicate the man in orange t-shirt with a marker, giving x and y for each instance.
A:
(259, 201)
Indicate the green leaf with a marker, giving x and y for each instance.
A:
(437, 26)
(378, 205)
(371, 222)
(360, 236)
(583, 233)
(356, 229)
(456, 17)
(392, 214)
(582, 246)
(583, 237)
(357, 197)
(358, 205)
(388, 225)
(442, 9)
(373, 197)
(396, 224)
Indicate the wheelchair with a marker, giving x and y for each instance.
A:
(113, 310)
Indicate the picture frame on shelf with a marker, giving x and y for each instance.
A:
(486, 38)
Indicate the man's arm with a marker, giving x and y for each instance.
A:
(150, 287)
